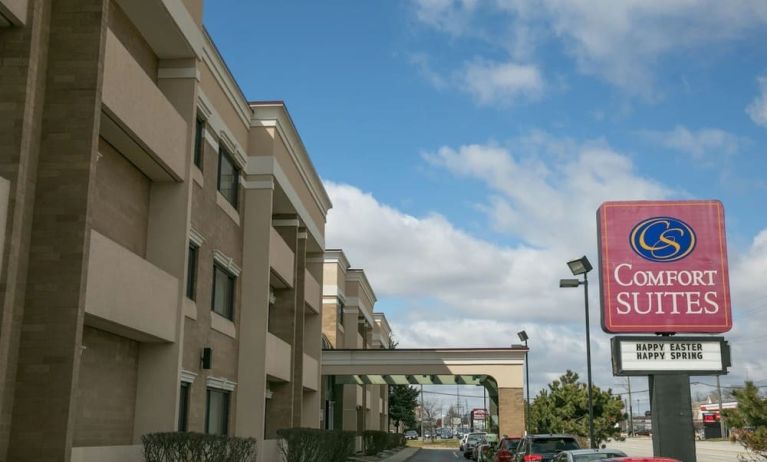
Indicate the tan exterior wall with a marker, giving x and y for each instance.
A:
(222, 105)
(106, 391)
(130, 37)
(122, 211)
(102, 199)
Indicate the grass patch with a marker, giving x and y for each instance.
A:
(451, 443)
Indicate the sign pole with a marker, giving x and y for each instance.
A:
(673, 434)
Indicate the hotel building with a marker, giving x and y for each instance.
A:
(162, 239)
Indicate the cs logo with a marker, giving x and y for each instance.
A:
(662, 239)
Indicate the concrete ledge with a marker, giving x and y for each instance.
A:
(387, 456)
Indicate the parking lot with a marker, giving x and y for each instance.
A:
(708, 451)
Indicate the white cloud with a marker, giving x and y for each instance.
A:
(549, 202)
(620, 41)
(757, 110)
(428, 257)
(502, 83)
(698, 143)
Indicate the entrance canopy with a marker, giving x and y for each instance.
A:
(499, 370)
(446, 366)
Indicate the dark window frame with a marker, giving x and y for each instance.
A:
(223, 153)
(199, 134)
(227, 402)
(340, 313)
(233, 280)
(191, 271)
(185, 392)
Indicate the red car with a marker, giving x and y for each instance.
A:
(507, 449)
(641, 459)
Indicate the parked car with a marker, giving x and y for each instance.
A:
(472, 439)
(588, 455)
(641, 459)
(506, 449)
(543, 448)
(463, 441)
(411, 435)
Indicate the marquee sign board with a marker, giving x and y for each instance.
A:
(670, 355)
(663, 267)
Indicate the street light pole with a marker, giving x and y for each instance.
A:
(588, 360)
(523, 336)
(578, 267)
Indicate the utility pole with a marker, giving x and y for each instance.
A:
(631, 411)
(721, 420)
(423, 438)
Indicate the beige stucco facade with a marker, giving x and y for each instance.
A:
(124, 260)
(350, 323)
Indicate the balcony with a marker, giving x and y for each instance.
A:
(13, 12)
(281, 260)
(311, 373)
(312, 292)
(278, 360)
(127, 295)
(367, 399)
(139, 120)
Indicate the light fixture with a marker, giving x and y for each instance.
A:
(569, 283)
(580, 266)
(522, 335)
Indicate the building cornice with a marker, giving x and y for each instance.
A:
(275, 114)
(337, 256)
(359, 276)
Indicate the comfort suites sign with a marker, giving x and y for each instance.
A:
(663, 267)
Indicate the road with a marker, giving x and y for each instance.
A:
(437, 455)
(707, 451)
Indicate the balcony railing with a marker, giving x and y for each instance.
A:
(140, 121)
(127, 295)
(312, 292)
(278, 358)
(281, 258)
(311, 373)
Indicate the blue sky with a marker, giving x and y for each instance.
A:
(452, 132)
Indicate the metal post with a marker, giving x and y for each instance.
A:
(423, 438)
(527, 390)
(631, 411)
(721, 420)
(593, 443)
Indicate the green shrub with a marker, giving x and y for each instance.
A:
(374, 441)
(395, 440)
(197, 447)
(313, 445)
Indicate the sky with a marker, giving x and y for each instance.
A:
(466, 145)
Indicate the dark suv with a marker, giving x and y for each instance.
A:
(543, 448)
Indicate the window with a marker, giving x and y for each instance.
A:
(340, 313)
(183, 407)
(228, 176)
(217, 414)
(223, 292)
(199, 132)
(191, 272)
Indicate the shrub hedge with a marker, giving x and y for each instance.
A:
(376, 441)
(197, 447)
(313, 445)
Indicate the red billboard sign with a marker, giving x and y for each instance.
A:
(663, 267)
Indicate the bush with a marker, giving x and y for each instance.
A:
(197, 447)
(313, 445)
(374, 441)
(395, 440)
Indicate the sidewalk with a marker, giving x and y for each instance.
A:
(387, 456)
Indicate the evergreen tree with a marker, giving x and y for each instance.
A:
(403, 400)
(750, 421)
(564, 408)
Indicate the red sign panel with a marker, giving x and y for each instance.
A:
(663, 267)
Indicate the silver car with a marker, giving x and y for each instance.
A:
(587, 455)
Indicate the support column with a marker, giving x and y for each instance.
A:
(51, 339)
(23, 65)
(511, 410)
(298, 326)
(254, 306)
(673, 434)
